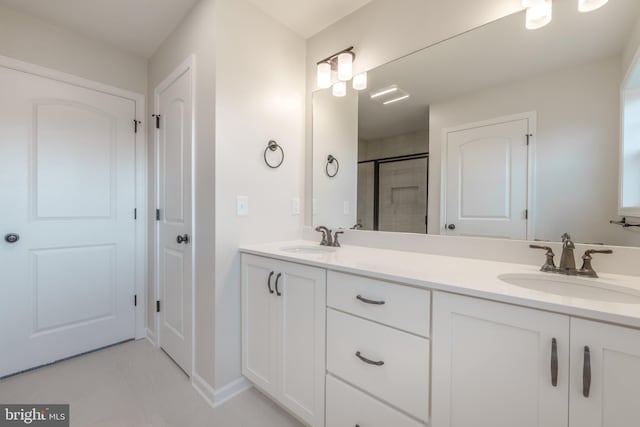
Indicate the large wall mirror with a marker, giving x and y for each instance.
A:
(499, 132)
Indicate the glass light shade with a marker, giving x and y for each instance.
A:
(360, 81)
(589, 5)
(539, 15)
(340, 89)
(345, 66)
(324, 75)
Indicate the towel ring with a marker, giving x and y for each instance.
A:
(273, 146)
(330, 160)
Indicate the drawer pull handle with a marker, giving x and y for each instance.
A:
(554, 362)
(586, 373)
(368, 361)
(369, 301)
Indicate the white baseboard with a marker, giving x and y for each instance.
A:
(214, 397)
(151, 337)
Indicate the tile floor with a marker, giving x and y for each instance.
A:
(133, 384)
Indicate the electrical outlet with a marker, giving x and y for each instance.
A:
(242, 206)
(347, 207)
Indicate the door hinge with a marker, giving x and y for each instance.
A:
(135, 300)
(135, 213)
(158, 306)
(157, 214)
(157, 117)
(136, 123)
(526, 214)
(529, 135)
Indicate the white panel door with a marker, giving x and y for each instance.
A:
(67, 189)
(301, 294)
(493, 365)
(610, 356)
(175, 255)
(486, 181)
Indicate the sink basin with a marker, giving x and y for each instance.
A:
(576, 287)
(308, 249)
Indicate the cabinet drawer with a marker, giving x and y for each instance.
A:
(404, 307)
(348, 407)
(402, 379)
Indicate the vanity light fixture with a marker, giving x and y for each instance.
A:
(340, 63)
(360, 81)
(590, 5)
(324, 75)
(539, 13)
(339, 89)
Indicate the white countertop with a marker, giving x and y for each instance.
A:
(472, 277)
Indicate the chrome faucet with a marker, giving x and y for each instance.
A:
(568, 261)
(328, 237)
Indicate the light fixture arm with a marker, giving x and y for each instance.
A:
(332, 59)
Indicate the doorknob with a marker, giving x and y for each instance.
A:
(11, 238)
(183, 239)
(451, 226)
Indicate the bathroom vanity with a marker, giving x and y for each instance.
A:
(357, 336)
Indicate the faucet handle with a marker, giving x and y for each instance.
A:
(326, 235)
(587, 268)
(336, 243)
(549, 264)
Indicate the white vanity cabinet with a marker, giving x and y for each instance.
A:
(283, 333)
(493, 365)
(610, 356)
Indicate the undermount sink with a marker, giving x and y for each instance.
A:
(308, 249)
(577, 287)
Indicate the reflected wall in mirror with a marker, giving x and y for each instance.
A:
(499, 132)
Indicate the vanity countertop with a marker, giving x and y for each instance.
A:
(471, 277)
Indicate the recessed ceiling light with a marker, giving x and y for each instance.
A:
(384, 91)
(400, 98)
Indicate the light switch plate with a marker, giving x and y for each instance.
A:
(347, 207)
(295, 206)
(242, 206)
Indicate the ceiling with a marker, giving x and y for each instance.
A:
(137, 26)
(496, 54)
(308, 17)
(140, 26)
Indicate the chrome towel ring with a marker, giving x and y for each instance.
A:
(273, 146)
(331, 160)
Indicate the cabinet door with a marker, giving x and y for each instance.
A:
(614, 356)
(259, 317)
(492, 365)
(302, 341)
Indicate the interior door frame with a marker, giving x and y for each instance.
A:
(186, 65)
(141, 197)
(532, 117)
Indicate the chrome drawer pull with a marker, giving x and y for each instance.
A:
(368, 361)
(586, 373)
(554, 362)
(369, 301)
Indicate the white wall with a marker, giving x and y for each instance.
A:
(196, 35)
(399, 145)
(576, 175)
(385, 30)
(260, 96)
(335, 132)
(32, 40)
